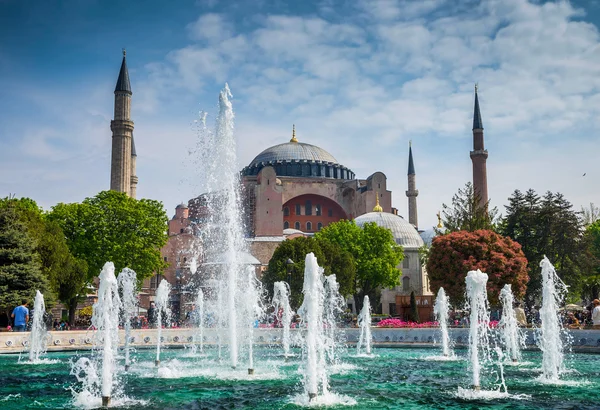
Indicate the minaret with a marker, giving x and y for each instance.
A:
(122, 130)
(134, 178)
(412, 192)
(479, 156)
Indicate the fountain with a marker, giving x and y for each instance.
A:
(549, 340)
(127, 283)
(253, 311)
(223, 230)
(479, 319)
(508, 325)
(364, 323)
(219, 319)
(281, 303)
(441, 309)
(105, 319)
(200, 319)
(162, 308)
(39, 334)
(312, 313)
(334, 306)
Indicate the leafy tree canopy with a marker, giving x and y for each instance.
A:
(375, 253)
(453, 255)
(329, 256)
(466, 214)
(114, 227)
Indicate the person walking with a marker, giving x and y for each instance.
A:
(152, 315)
(20, 316)
(596, 314)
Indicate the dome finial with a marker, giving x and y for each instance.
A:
(294, 139)
(377, 207)
(439, 225)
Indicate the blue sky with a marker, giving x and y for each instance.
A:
(358, 78)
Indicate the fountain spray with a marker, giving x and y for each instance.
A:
(312, 313)
(364, 322)
(105, 319)
(162, 307)
(334, 306)
(480, 319)
(508, 325)
(39, 333)
(253, 310)
(200, 318)
(127, 283)
(550, 342)
(281, 302)
(441, 309)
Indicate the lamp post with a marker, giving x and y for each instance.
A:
(289, 265)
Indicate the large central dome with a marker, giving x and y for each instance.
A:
(293, 151)
(298, 159)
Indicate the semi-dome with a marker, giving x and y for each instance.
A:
(404, 233)
(298, 159)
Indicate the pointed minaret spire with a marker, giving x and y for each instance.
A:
(477, 123)
(123, 80)
(411, 164)
(412, 192)
(479, 155)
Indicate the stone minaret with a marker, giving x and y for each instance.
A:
(134, 178)
(479, 156)
(412, 192)
(122, 129)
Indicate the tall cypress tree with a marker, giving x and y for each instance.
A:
(20, 272)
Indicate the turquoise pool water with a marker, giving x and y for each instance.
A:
(392, 379)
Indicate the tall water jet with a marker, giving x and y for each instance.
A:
(39, 332)
(223, 230)
(105, 319)
(200, 318)
(127, 283)
(334, 306)
(509, 326)
(163, 313)
(364, 323)
(479, 319)
(312, 314)
(550, 342)
(252, 311)
(219, 317)
(440, 310)
(281, 303)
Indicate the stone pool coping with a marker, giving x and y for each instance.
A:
(584, 340)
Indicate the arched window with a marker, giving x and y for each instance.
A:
(318, 210)
(308, 208)
(298, 212)
(286, 225)
(319, 226)
(181, 230)
(406, 262)
(406, 283)
(309, 226)
(297, 225)
(286, 211)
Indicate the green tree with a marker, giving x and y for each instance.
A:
(465, 213)
(20, 271)
(453, 255)
(414, 310)
(591, 285)
(114, 227)
(549, 226)
(375, 253)
(329, 256)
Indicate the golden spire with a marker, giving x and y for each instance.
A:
(294, 139)
(439, 225)
(378, 207)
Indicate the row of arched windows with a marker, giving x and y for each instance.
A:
(297, 226)
(308, 209)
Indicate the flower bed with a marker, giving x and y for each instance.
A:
(397, 323)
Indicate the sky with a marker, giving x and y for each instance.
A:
(359, 78)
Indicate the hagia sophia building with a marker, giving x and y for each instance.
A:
(289, 190)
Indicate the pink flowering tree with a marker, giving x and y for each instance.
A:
(451, 256)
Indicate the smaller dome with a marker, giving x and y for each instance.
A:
(181, 206)
(404, 233)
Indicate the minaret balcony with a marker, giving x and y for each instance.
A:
(479, 153)
(410, 193)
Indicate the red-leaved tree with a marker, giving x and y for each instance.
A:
(453, 255)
